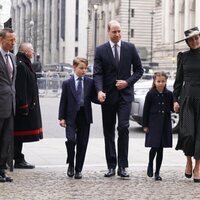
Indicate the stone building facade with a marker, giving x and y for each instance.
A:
(56, 28)
(172, 18)
(63, 29)
(135, 19)
(153, 26)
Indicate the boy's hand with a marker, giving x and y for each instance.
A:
(63, 123)
(101, 96)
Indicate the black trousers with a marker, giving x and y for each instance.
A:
(77, 149)
(6, 137)
(121, 110)
(18, 156)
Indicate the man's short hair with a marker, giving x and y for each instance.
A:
(4, 31)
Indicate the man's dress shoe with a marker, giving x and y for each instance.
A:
(23, 165)
(110, 172)
(4, 178)
(78, 175)
(122, 172)
(70, 171)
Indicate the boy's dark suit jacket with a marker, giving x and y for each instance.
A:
(69, 103)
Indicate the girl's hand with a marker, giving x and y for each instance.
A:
(63, 123)
(176, 107)
(146, 129)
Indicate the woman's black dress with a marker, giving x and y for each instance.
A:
(187, 93)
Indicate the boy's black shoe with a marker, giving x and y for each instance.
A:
(78, 175)
(70, 171)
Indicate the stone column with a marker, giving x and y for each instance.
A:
(176, 20)
(197, 13)
(167, 29)
(187, 15)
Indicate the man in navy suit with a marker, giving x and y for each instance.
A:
(7, 97)
(117, 66)
(75, 114)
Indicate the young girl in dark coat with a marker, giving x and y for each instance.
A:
(157, 121)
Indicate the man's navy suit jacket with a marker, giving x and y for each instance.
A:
(106, 72)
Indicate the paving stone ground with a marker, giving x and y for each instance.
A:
(45, 183)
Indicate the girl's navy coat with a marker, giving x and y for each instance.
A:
(157, 117)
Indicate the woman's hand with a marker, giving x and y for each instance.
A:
(146, 129)
(176, 107)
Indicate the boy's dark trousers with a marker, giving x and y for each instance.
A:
(82, 136)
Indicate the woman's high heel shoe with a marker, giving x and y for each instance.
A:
(196, 180)
(188, 175)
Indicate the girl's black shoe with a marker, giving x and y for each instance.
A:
(158, 177)
(150, 170)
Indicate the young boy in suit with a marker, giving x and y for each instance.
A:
(75, 115)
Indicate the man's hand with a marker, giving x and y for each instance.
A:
(63, 123)
(121, 84)
(101, 96)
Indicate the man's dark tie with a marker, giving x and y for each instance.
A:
(116, 55)
(80, 92)
(9, 68)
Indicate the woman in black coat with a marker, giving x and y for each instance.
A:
(27, 123)
(157, 121)
(187, 101)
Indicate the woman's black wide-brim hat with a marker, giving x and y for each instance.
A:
(190, 33)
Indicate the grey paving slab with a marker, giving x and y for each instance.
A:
(52, 152)
(53, 184)
(49, 181)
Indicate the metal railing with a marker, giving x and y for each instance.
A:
(50, 83)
